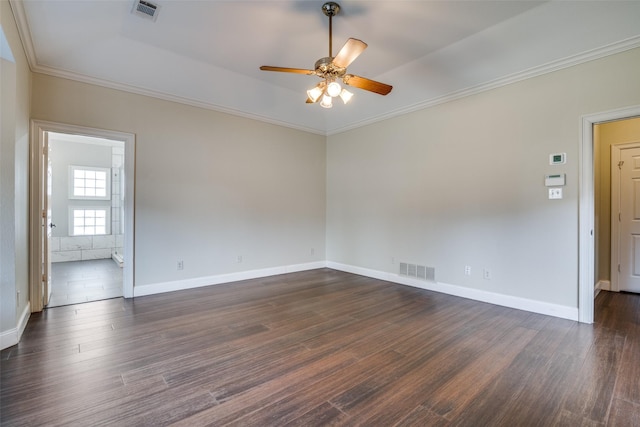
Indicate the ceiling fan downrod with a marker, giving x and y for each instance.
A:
(330, 9)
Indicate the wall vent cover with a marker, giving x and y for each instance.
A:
(145, 9)
(418, 271)
(404, 268)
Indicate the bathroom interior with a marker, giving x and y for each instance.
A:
(87, 218)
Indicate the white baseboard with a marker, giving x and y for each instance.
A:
(197, 282)
(540, 307)
(12, 336)
(603, 285)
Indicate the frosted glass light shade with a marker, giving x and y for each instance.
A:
(326, 102)
(333, 89)
(315, 93)
(346, 95)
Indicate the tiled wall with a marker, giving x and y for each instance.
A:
(82, 248)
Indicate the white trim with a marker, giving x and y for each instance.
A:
(518, 303)
(17, 8)
(13, 336)
(8, 338)
(577, 59)
(38, 128)
(603, 285)
(586, 242)
(550, 67)
(198, 282)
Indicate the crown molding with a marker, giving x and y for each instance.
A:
(70, 75)
(591, 55)
(550, 67)
(24, 32)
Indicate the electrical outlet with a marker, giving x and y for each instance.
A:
(239, 259)
(18, 299)
(467, 270)
(486, 274)
(180, 265)
(313, 251)
(393, 260)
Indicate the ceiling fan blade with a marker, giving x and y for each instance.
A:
(287, 70)
(349, 52)
(366, 84)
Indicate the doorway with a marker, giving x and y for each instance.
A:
(82, 214)
(586, 209)
(86, 227)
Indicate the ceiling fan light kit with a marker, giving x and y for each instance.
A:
(332, 69)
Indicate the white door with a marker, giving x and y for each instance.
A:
(629, 217)
(47, 224)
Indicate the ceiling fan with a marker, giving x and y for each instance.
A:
(332, 69)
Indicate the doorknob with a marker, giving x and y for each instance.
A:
(52, 225)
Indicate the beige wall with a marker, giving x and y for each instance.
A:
(209, 186)
(463, 184)
(14, 156)
(605, 135)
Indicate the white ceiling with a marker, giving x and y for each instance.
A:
(207, 53)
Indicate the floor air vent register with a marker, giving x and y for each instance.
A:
(418, 271)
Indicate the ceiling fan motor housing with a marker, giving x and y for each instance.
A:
(325, 68)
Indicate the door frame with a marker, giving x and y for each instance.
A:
(616, 153)
(586, 207)
(38, 130)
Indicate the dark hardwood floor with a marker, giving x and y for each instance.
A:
(322, 348)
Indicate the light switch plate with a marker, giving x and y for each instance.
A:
(555, 193)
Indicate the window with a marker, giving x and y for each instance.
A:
(89, 183)
(89, 221)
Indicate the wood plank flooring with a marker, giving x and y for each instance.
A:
(321, 348)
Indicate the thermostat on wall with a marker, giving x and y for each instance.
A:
(558, 159)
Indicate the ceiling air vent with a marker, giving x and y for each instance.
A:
(145, 9)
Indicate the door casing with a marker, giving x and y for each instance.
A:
(586, 206)
(39, 128)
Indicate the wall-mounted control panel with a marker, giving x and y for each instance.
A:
(558, 159)
(556, 180)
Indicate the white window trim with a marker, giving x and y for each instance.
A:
(73, 168)
(107, 210)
